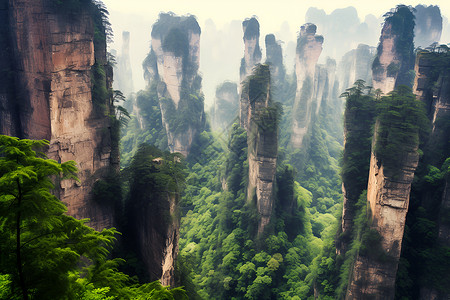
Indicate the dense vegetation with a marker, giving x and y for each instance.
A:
(46, 254)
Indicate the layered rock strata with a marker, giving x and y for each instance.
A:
(52, 56)
(173, 64)
(260, 120)
(309, 47)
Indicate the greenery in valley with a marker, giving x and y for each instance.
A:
(46, 254)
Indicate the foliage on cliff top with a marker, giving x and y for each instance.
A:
(168, 21)
(402, 120)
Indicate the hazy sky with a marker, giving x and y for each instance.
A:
(137, 16)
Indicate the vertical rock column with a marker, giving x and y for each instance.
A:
(173, 64)
(394, 61)
(309, 47)
(252, 56)
(262, 142)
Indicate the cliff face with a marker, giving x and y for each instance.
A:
(53, 54)
(261, 119)
(123, 76)
(394, 61)
(428, 28)
(356, 64)
(252, 51)
(173, 64)
(226, 106)
(388, 199)
(158, 244)
(309, 47)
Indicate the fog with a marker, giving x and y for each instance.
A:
(343, 28)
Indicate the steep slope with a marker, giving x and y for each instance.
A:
(60, 95)
(171, 68)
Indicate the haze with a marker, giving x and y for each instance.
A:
(220, 21)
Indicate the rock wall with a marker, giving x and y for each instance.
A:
(123, 75)
(356, 64)
(262, 140)
(394, 61)
(173, 63)
(388, 199)
(309, 47)
(52, 56)
(428, 27)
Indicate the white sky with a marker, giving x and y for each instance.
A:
(137, 16)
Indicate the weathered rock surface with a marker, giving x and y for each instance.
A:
(52, 55)
(356, 64)
(309, 47)
(428, 27)
(173, 63)
(261, 121)
(388, 199)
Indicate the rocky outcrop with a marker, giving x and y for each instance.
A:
(356, 64)
(394, 61)
(52, 53)
(388, 199)
(428, 27)
(260, 121)
(123, 76)
(252, 51)
(173, 64)
(309, 47)
(226, 106)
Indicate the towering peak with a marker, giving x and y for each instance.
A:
(252, 51)
(171, 68)
(259, 116)
(394, 62)
(309, 48)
